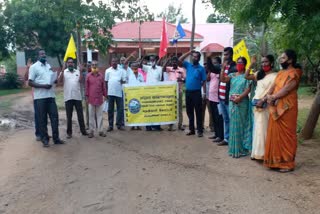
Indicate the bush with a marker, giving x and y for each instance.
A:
(10, 81)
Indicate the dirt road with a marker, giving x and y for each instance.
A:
(138, 172)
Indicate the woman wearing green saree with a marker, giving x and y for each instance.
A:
(240, 123)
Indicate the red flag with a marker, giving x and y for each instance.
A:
(164, 39)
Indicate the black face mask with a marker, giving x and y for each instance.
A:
(43, 60)
(285, 65)
(70, 68)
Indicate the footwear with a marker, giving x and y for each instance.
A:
(285, 170)
(190, 133)
(138, 128)
(69, 136)
(181, 128)
(45, 143)
(223, 143)
(38, 138)
(132, 128)
(121, 128)
(216, 140)
(212, 137)
(59, 142)
(84, 133)
(110, 129)
(200, 134)
(102, 134)
(148, 129)
(90, 135)
(170, 129)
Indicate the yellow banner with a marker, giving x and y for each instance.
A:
(152, 104)
(241, 50)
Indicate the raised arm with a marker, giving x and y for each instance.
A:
(247, 74)
(133, 54)
(183, 57)
(224, 78)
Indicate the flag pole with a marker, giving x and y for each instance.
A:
(176, 48)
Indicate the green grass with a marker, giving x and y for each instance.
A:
(60, 100)
(4, 92)
(305, 92)
(302, 117)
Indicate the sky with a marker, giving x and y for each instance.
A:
(157, 6)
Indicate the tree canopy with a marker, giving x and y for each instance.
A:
(286, 24)
(172, 13)
(217, 18)
(49, 23)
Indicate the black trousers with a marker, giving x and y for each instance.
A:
(45, 107)
(69, 110)
(217, 120)
(194, 104)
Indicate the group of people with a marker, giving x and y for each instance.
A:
(250, 112)
(255, 113)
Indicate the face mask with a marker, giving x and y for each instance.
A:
(43, 60)
(240, 67)
(70, 68)
(285, 65)
(266, 68)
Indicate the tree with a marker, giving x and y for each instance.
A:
(172, 13)
(5, 35)
(217, 18)
(193, 24)
(48, 23)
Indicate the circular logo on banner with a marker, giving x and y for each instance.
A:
(134, 106)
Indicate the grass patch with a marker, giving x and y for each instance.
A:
(4, 92)
(60, 100)
(302, 117)
(305, 91)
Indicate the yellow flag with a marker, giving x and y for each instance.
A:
(71, 50)
(241, 50)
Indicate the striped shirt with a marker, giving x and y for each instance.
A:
(223, 85)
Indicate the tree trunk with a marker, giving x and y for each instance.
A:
(313, 117)
(79, 47)
(193, 24)
(59, 61)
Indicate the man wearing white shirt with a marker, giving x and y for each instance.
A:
(135, 77)
(42, 78)
(71, 79)
(154, 75)
(114, 78)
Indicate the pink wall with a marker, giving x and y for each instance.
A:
(221, 33)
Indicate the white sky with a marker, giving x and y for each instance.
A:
(157, 6)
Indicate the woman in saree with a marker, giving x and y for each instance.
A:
(265, 78)
(281, 142)
(240, 125)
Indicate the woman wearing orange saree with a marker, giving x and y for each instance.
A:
(281, 142)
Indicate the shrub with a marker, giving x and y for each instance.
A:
(10, 81)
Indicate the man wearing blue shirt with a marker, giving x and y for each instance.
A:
(195, 79)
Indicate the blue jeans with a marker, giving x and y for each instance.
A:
(120, 116)
(36, 119)
(224, 110)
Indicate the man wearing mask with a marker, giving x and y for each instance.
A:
(71, 79)
(95, 91)
(115, 76)
(42, 78)
(224, 89)
(195, 79)
(154, 75)
(177, 74)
